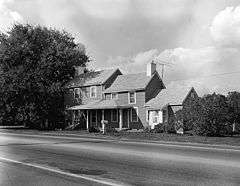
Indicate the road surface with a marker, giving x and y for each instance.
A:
(27, 159)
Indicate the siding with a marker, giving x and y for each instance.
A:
(140, 102)
(85, 96)
(69, 99)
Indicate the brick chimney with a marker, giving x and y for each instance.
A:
(151, 68)
(79, 70)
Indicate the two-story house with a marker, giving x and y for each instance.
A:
(124, 100)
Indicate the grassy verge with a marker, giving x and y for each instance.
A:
(231, 140)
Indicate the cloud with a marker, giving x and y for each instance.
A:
(135, 63)
(225, 28)
(105, 9)
(7, 15)
(163, 10)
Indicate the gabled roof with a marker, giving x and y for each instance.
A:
(91, 78)
(172, 95)
(129, 82)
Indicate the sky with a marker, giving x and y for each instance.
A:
(200, 39)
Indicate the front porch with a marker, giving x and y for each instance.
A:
(118, 118)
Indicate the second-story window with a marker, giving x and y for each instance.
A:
(132, 97)
(77, 93)
(114, 95)
(107, 96)
(93, 92)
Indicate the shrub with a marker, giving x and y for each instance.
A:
(94, 130)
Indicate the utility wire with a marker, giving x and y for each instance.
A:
(212, 75)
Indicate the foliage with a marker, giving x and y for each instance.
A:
(36, 62)
(209, 116)
(214, 117)
(234, 106)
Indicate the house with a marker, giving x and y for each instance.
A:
(124, 100)
(163, 107)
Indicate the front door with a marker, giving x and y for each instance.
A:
(125, 118)
(155, 118)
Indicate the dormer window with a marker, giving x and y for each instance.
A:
(77, 93)
(93, 92)
(132, 97)
(114, 95)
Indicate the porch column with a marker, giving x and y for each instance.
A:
(87, 121)
(103, 125)
(120, 119)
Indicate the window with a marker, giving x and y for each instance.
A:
(114, 115)
(192, 95)
(114, 95)
(94, 116)
(134, 114)
(93, 92)
(155, 116)
(132, 97)
(107, 96)
(77, 93)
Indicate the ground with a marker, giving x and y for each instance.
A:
(74, 159)
(143, 136)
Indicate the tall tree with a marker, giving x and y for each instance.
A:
(36, 62)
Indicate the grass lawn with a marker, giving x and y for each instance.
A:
(230, 140)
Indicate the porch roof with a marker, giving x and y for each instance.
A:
(100, 104)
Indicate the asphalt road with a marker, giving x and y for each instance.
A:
(27, 159)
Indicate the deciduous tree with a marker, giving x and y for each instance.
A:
(36, 62)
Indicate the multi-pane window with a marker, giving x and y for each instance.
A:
(93, 91)
(108, 96)
(132, 97)
(134, 114)
(155, 116)
(114, 115)
(114, 95)
(77, 93)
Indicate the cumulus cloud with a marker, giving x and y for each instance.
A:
(225, 28)
(7, 15)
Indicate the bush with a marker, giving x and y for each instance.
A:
(159, 128)
(212, 116)
(94, 130)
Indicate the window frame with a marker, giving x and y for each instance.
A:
(136, 109)
(116, 115)
(107, 96)
(79, 93)
(155, 116)
(92, 91)
(115, 94)
(129, 98)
